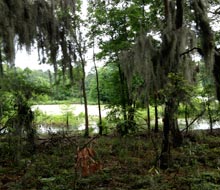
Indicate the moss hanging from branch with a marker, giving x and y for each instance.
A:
(144, 61)
(207, 39)
(138, 61)
(25, 22)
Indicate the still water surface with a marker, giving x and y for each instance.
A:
(76, 109)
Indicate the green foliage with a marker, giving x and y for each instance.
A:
(17, 117)
(125, 127)
(178, 88)
(22, 84)
(18, 88)
(109, 86)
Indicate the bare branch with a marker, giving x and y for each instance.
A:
(190, 50)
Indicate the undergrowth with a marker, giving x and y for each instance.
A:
(128, 163)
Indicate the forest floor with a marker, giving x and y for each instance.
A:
(64, 162)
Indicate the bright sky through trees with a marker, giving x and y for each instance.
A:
(24, 60)
(30, 60)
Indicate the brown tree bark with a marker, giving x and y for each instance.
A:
(170, 124)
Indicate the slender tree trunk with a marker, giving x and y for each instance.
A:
(156, 127)
(71, 69)
(98, 92)
(130, 109)
(210, 117)
(131, 124)
(148, 117)
(51, 82)
(67, 120)
(1, 62)
(81, 93)
(50, 78)
(55, 77)
(85, 101)
(186, 118)
(80, 50)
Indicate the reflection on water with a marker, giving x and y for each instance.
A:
(45, 129)
(203, 125)
(92, 126)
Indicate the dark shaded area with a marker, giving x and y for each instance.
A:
(216, 72)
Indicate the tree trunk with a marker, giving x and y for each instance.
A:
(165, 152)
(86, 134)
(216, 72)
(123, 93)
(176, 134)
(166, 9)
(30, 131)
(80, 50)
(170, 125)
(98, 93)
(186, 118)
(210, 117)
(55, 77)
(148, 117)
(131, 122)
(67, 120)
(51, 82)
(1, 63)
(156, 127)
(174, 21)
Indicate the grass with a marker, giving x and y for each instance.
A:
(128, 163)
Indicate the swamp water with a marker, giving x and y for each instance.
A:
(45, 129)
(77, 109)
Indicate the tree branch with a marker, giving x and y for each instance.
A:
(190, 50)
(216, 12)
(3, 128)
(196, 118)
